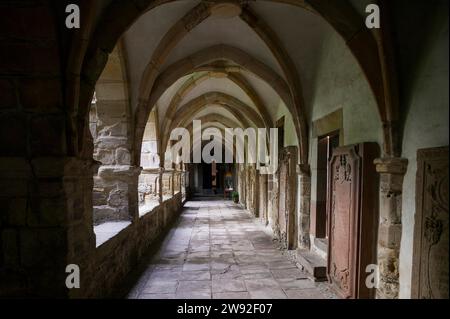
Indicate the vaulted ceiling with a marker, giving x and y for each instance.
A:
(240, 62)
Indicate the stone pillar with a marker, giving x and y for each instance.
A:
(46, 224)
(133, 193)
(173, 184)
(263, 198)
(182, 183)
(160, 184)
(119, 186)
(304, 203)
(392, 171)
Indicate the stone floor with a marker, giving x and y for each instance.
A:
(217, 250)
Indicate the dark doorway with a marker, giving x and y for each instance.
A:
(280, 127)
(213, 177)
(325, 147)
(207, 175)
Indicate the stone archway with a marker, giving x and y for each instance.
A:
(185, 66)
(115, 184)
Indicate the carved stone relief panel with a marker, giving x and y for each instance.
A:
(353, 213)
(287, 197)
(282, 218)
(272, 205)
(343, 211)
(431, 252)
(263, 198)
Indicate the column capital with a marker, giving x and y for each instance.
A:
(391, 165)
(119, 171)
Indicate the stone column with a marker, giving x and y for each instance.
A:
(133, 193)
(173, 184)
(120, 182)
(182, 183)
(46, 224)
(263, 198)
(304, 203)
(392, 171)
(160, 184)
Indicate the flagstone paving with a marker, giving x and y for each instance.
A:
(216, 250)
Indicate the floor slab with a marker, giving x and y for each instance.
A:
(216, 250)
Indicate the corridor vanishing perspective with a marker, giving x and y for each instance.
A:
(218, 250)
(283, 149)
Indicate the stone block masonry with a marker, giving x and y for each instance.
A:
(114, 259)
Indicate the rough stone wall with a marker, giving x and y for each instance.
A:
(263, 199)
(115, 189)
(114, 259)
(149, 150)
(38, 223)
(167, 184)
(41, 230)
(115, 185)
(251, 189)
(177, 182)
(110, 123)
(148, 187)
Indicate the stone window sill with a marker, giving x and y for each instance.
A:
(108, 230)
(147, 208)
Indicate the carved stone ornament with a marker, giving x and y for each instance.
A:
(430, 258)
(352, 215)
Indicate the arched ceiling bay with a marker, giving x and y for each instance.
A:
(143, 37)
(232, 31)
(197, 61)
(264, 55)
(146, 33)
(168, 95)
(302, 33)
(221, 84)
(370, 48)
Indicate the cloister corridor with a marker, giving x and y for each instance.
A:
(224, 149)
(218, 250)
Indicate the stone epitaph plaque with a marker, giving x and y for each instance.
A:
(431, 244)
(288, 191)
(353, 213)
(282, 209)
